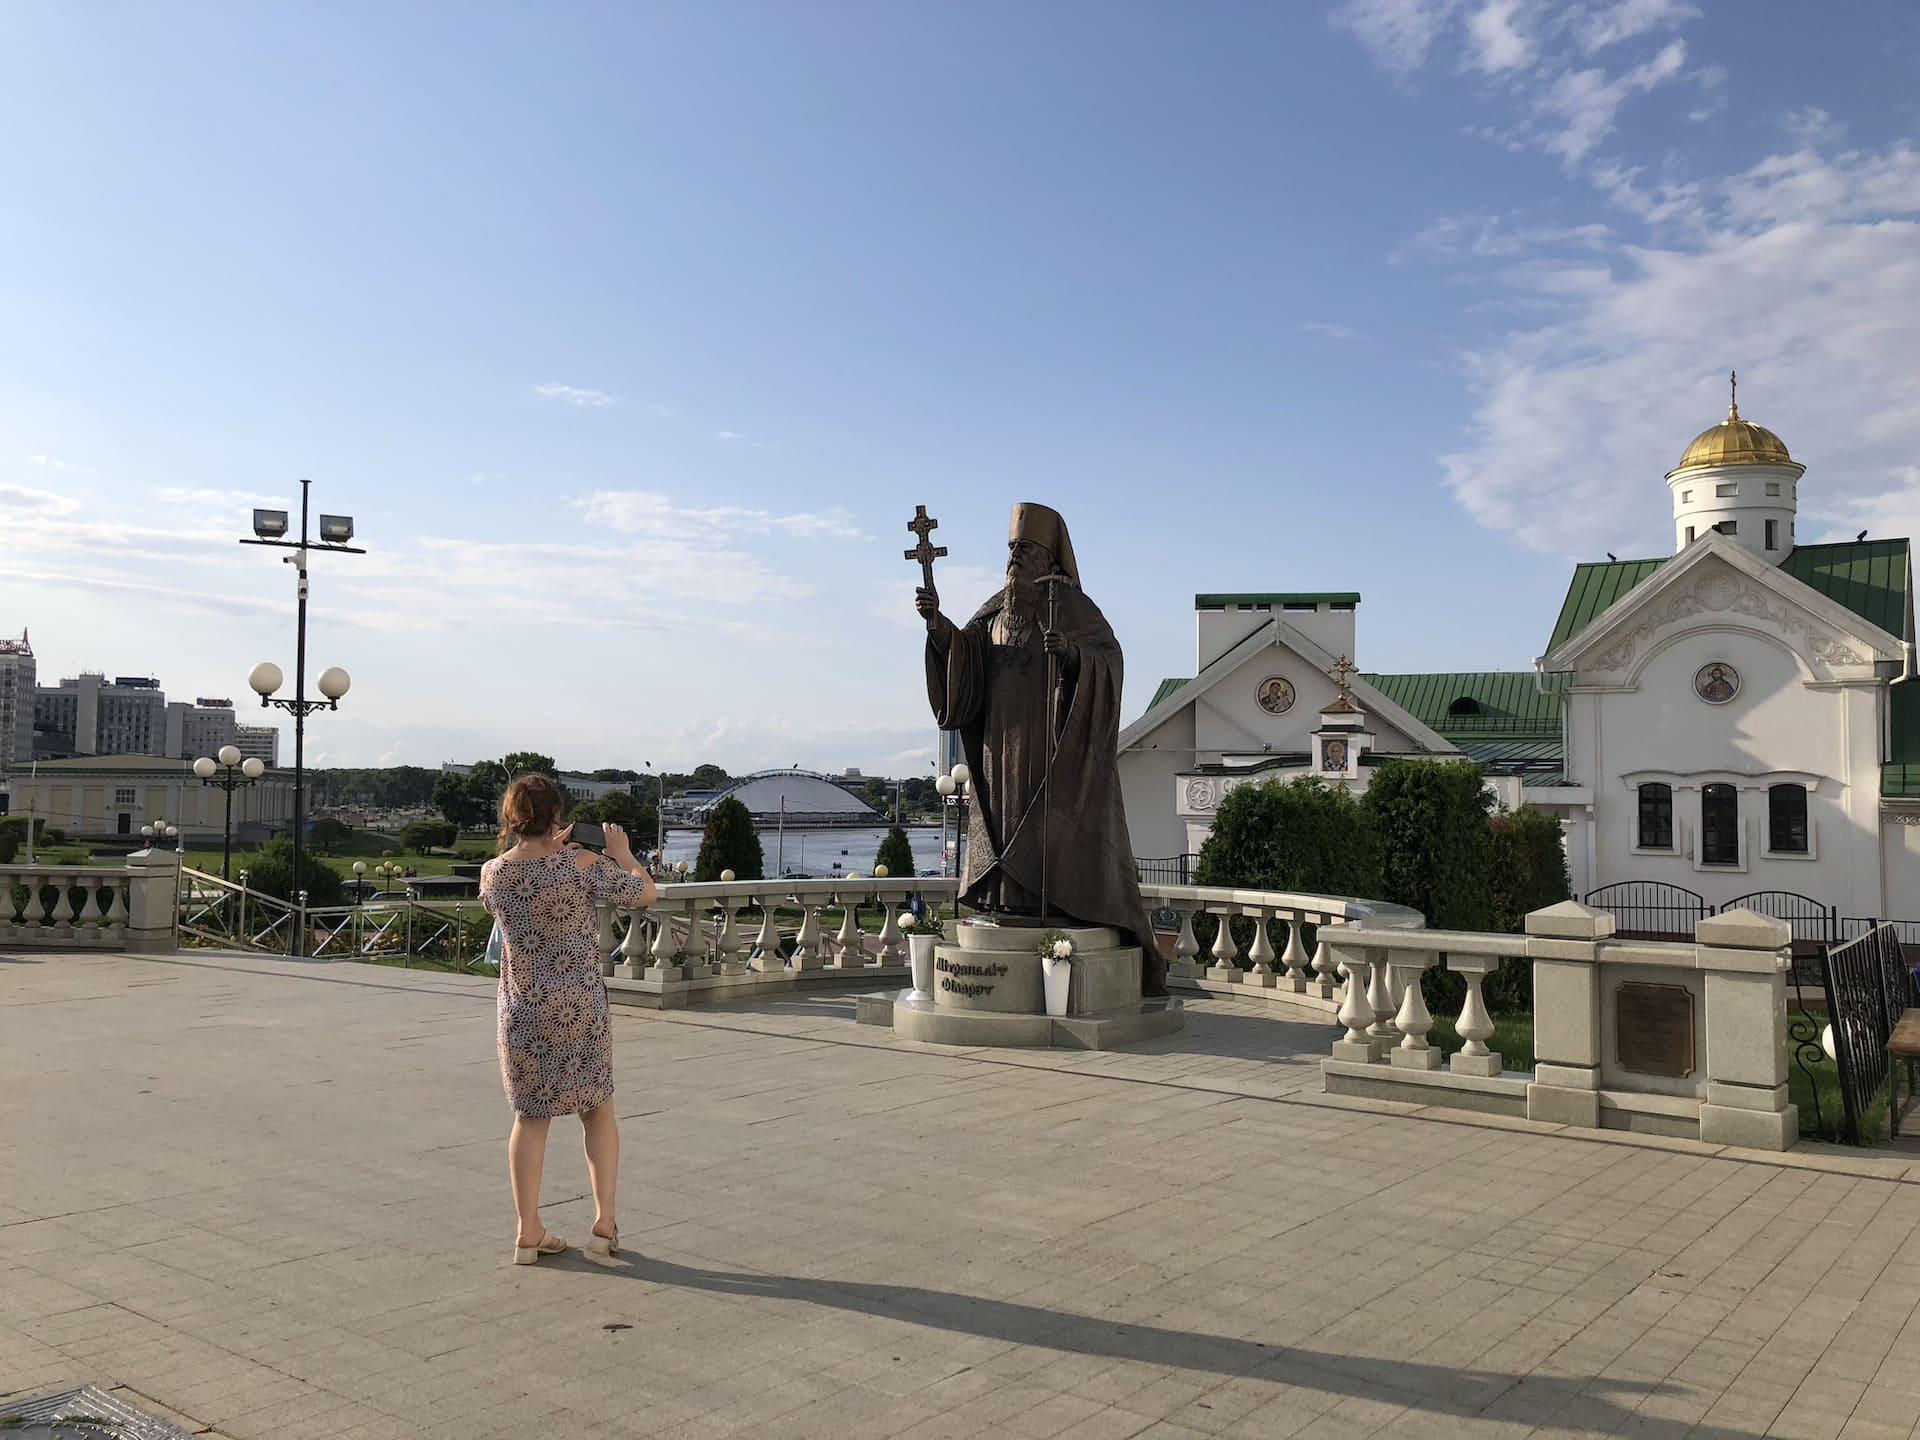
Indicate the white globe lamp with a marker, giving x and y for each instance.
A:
(204, 767)
(265, 678)
(253, 767)
(334, 683)
(229, 754)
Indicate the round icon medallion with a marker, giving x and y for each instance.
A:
(1716, 683)
(1276, 695)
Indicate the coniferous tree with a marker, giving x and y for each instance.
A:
(896, 853)
(730, 843)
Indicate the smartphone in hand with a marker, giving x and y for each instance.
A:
(588, 835)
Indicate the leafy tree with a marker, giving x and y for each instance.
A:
(489, 775)
(708, 777)
(877, 793)
(424, 835)
(1529, 866)
(270, 871)
(629, 776)
(463, 803)
(896, 853)
(1436, 843)
(527, 762)
(730, 844)
(328, 834)
(638, 818)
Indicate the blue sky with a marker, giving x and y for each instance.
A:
(631, 334)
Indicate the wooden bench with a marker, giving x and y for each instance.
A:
(1904, 1043)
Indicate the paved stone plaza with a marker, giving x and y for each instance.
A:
(271, 1197)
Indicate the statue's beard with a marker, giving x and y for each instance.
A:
(1017, 604)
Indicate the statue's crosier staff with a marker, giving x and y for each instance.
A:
(1053, 740)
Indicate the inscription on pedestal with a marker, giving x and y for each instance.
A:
(969, 977)
(1653, 1029)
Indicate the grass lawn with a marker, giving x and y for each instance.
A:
(1513, 1039)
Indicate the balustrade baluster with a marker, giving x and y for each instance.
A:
(806, 945)
(766, 945)
(1380, 996)
(893, 944)
(1356, 1011)
(1186, 945)
(116, 904)
(727, 944)
(634, 945)
(697, 946)
(666, 949)
(47, 897)
(1295, 955)
(1475, 1025)
(1225, 951)
(1261, 951)
(849, 941)
(1326, 960)
(1413, 1020)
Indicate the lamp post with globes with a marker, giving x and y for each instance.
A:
(953, 788)
(235, 774)
(270, 528)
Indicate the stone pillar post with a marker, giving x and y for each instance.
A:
(1745, 958)
(153, 879)
(1563, 942)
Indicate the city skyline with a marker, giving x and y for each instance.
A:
(631, 337)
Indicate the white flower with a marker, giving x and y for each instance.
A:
(907, 922)
(1062, 949)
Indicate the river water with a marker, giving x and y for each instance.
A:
(822, 852)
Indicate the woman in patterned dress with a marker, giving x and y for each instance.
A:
(556, 1048)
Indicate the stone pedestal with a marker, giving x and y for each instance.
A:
(988, 989)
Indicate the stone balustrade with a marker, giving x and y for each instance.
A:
(90, 907)
(704, 941)
(1666, 1038)
(1299, 970)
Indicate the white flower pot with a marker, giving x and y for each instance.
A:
(1057, 976)
(920, 956)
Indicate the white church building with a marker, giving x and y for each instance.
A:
(1736, 719)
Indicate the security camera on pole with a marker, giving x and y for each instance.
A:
(270, 528)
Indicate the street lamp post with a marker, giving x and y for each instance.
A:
(270, 528)
(234, 774)
(359, 882)
(953, 795)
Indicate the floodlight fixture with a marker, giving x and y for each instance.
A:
(336, 529)
(269, 524)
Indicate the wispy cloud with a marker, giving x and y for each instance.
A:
(20, 501)
(182, 495)
(647, 512)
(47, 462)
(1330, 330)
(574, 395)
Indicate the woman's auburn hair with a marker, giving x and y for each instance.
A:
(532, 806)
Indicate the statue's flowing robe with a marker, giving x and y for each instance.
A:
(995, 695)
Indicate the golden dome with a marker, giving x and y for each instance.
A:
(1735, 442)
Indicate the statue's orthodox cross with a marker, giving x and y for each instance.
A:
(922, 525)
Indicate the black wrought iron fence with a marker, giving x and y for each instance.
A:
(1868, 987)
(1166, 870)
(1651, 909)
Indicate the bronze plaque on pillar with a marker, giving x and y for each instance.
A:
(1653, 1029)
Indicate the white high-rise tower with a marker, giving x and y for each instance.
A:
(1737, 478)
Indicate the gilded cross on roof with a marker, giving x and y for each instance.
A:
(1342, 672)
(922, 525)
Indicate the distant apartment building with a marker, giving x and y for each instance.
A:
(200, 728)
(17, 672)
(261, 742)
(87, 714)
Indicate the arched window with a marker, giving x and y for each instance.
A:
(1787, 819)
(1656, 816)
(1719, 825)
(1465, 705)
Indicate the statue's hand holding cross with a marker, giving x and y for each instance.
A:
(926, 599)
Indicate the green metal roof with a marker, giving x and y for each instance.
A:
(1513, 750)
(1596, 585)
(1460, 704)
(1293, 597)
(1167, 687)
(1870, 577)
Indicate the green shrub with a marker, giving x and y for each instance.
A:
(1529, 866)
(1301, 834)
(424, 835)
(730, 843)
(896, 853)
(1436, 844)
(270, 871)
